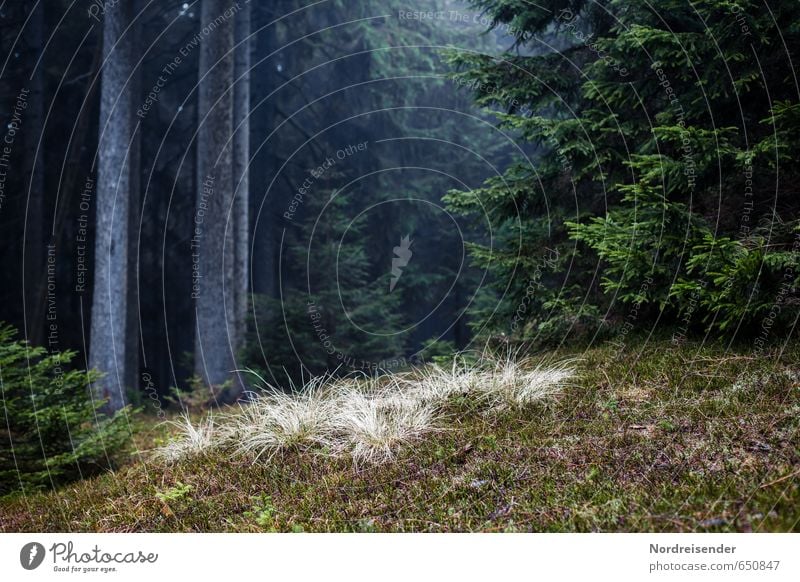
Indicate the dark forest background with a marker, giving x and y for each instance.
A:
(561, 172)
(322, 81)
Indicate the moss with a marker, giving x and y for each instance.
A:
(697, 439)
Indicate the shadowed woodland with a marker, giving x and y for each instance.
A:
(555, 245)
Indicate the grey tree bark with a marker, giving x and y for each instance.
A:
(213, 284)
(241, 172)
(111, 332)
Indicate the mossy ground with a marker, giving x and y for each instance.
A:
(688, 439)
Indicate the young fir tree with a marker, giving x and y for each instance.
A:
(53, 430)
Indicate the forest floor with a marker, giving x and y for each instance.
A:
(669, 439)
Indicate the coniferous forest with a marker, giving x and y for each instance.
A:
(439, 265)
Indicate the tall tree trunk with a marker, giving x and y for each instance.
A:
(267, 228)
(134, 220)
(110, 330)
(72, 165)
(241, 172)
(213, 285)
(34, 177)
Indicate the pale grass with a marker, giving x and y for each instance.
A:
(279, 420)
(369, 418)
(439, 384)
(499, 383)
(516, 384)
(189, 439)
(371, 425)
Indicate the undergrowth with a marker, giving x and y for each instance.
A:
(663, 438)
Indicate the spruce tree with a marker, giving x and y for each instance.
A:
(659, 130)
(53, 430)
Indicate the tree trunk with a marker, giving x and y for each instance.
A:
(241, 173)
(34, 179)
(109, 348)
(213, 256)
(71, 166)
(134, 220)
(266, 223)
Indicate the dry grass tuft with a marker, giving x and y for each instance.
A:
(368, 418)
(189, 439)
(500, 383)
(278, 420)
(516, 384)
(370, 427)
(438, 384)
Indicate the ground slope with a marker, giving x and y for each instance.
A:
(669, 439)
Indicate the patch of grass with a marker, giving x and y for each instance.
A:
(188, 439)
(371, 428)
(278, 421)
(691, 438)
(365, 418)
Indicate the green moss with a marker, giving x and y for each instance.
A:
(698, 439)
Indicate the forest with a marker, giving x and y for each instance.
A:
(438, 265)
